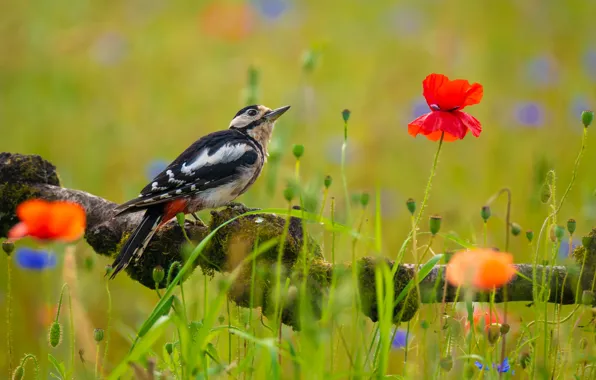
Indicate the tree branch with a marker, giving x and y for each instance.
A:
(27, 176)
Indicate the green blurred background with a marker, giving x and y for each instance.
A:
(107, 90)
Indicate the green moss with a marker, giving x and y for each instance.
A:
(27, 169)
(11, 195)
(237, 239)
(368, 290)
(588, 246)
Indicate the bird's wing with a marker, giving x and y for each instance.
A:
(212, 161)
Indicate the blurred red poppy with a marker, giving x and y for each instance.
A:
(228, 21)
(483, 269)
(63, 221)
(446, 100)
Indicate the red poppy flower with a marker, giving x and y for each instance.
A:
(483, 269)
(446, 100)
(45, 220)
(227, 21)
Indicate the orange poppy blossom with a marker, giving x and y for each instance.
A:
(230, 22)
(446, 100)
(481, 268)
(43, 220)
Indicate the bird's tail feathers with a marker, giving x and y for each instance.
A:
(138, 240)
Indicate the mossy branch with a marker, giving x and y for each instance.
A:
(28, 176)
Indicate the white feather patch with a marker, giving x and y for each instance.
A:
(226, 153)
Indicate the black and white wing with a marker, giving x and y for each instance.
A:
(212, 161)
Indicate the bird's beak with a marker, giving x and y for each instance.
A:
(276, 113)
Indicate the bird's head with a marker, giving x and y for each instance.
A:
(257, 121)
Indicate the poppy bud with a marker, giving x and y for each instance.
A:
(530, 235)
(169, 348)
(424, 324)
(364, 199)
(586, 240)
(180, 218)
(98, 335)
(588, 297)
(328, 181)
(515, 229)
(571, 224)
(7, 247)
(505, 328)
(493, 333)
(524, 359)
(435, 224)
(587, 118)
(158, 274)
(109, 269)
(289, 193)
(485, 213)
(346, 115)
(298, 150)
(411, 205)
(55, 334)
(559, 232)
(446, 363)
(19, 373)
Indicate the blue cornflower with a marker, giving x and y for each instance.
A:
(541, 70)
(271, 9)
(530, 114)
(590, 63)
(419, 108)
(33, 259)
(155, 167)
(564, 248)
(501, 368)
(400, 339)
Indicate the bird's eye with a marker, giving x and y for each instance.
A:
(251, 112)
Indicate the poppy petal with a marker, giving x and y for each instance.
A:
(35, 213)
(473, 95)
(433, 124)
(470, 122)
(450, 94)
(18, 231)
(67, 222)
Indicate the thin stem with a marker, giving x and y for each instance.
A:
(96, 360)
(344, 179)
(108, 328)
(433, 170)
(9, 312)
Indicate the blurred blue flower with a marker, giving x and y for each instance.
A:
(564, 248)
(501, 368)
(542, 71)
(590, 63)
(271, 9)
(419, 108)
(155, 167)
(529, 114)
(400, 339)
(32, 259)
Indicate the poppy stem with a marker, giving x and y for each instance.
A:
(433, 170)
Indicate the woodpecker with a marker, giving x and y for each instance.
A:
(212, 172)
